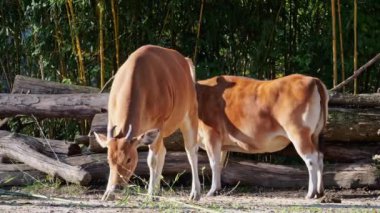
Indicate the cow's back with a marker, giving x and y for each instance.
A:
(153, 88)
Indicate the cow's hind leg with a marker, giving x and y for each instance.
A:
(305, 147)
(213, 147)
(189, 130)
(320, 187)
(156, 159)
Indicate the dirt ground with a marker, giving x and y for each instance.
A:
(231, 200)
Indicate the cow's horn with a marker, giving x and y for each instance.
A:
(110, 132)
(129, 132)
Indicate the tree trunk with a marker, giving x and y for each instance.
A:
(24, 84)
(27, 150)
(58, 106)
(278, 176)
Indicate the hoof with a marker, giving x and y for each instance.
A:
(108, 197)
(155, 198)
(213, 193)
(195, 196)
(320, 194)
(310, 195)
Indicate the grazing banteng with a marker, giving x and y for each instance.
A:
(245, 115)
(152, 95)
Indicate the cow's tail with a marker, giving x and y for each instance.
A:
(192, 68)
(324, 99)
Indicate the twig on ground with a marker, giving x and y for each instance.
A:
(44, 137)
(180, 202)
(233, 189)
(30, 195)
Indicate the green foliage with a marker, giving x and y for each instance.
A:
(260, 39)
(60, 129)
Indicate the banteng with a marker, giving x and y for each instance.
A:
(152, 95)
(245, 115)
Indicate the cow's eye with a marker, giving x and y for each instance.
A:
(128, 160)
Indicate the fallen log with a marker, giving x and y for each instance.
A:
(52, 147)
(82, 139)
(278, 176)
(27, 150)
(344, 125)
(347, 125)
(360, 101)
(19, 175)
(28, 85)
(340, 152)
(53, 106)
(245, 172)
(175, 162)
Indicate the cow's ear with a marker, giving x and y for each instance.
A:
(147, 138)
(101, 139)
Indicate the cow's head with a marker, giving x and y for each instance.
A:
(122, 154)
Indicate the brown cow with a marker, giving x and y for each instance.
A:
(245, 115)
(152, 95)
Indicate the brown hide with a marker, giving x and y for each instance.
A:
(252, 116)
(152, 89)
(152, 95)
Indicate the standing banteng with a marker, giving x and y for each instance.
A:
(152, 95)
(245, 115)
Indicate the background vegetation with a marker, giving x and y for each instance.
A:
(85, 41)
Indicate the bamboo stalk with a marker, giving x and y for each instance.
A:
(101, 42)
(357, 72)
(341, 44)
(333, 26)
(355, 43)
(58, 38)
(115, 20)
(71, 33)
(198, 33)
(82, 76)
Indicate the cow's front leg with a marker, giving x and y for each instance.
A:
(156, 159)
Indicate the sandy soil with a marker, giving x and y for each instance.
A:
(245, 200)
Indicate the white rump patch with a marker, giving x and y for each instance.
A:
(312, 112)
